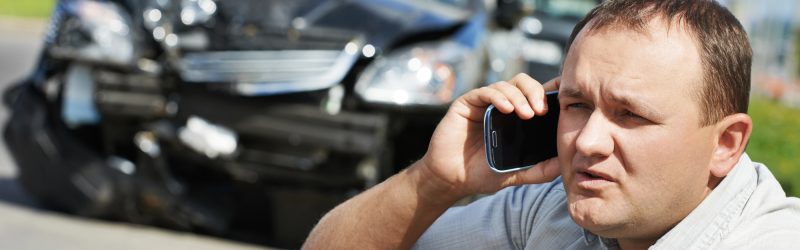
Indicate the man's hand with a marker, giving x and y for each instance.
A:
(395, 213)
(456, 159)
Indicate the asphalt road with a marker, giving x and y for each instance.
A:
(23, 224)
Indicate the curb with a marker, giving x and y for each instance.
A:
(20, 25)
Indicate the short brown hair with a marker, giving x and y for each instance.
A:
(725, 52)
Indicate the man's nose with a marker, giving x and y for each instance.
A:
(595, 138)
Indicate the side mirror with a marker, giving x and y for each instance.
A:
(508, 13)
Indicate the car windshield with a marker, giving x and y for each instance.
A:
(444, 5)
(564, 8)
(455, 3)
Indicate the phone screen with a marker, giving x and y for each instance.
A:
(514, 144)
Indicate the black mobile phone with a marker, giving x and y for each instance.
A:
(515, 144)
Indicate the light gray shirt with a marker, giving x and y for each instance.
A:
(747, 210)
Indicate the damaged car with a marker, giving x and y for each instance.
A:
(242, 118)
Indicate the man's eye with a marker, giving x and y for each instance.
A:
(578, 105)
(628, 113)
(631, 115)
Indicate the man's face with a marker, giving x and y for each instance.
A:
(634, 158)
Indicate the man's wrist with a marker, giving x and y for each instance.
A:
(431, 190)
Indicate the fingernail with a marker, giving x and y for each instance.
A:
(539, 105)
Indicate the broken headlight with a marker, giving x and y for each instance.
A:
(432, 73)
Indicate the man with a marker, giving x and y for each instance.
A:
(651, 141)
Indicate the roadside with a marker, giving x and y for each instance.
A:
(23, 228)
(25, 26)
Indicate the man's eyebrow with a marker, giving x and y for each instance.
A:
(570, 92)
(643, 107)
(635, 104)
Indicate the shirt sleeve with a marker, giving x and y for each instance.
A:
(504, 220)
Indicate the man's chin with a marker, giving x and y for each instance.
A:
(595, 215)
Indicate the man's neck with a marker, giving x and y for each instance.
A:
(635, 244)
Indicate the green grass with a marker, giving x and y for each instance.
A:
(776, 141)
(26, 8)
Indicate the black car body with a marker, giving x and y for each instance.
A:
(547, 30)
(239, 116)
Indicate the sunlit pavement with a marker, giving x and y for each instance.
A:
(25, 226)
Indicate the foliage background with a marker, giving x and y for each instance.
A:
(26, 8)
(776, 141)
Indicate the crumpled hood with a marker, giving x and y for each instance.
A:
(317, 24)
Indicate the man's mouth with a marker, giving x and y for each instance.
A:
(593, 180)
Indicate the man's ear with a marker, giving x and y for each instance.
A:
(732, 134)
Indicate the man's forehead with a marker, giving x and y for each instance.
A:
(661, 58)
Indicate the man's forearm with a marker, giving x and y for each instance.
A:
(392, 214)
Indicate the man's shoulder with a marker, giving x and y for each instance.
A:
(550, 194)
(529, 200)
(555, 187)
(543, 206)
(546, 223)
(528, 216)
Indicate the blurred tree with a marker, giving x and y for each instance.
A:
(26, 8)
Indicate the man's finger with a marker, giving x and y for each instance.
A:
(482, 97)
(521, 106)
(552, 85)
(533, 91)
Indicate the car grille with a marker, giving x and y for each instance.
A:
(267, 72)
(250, 53)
